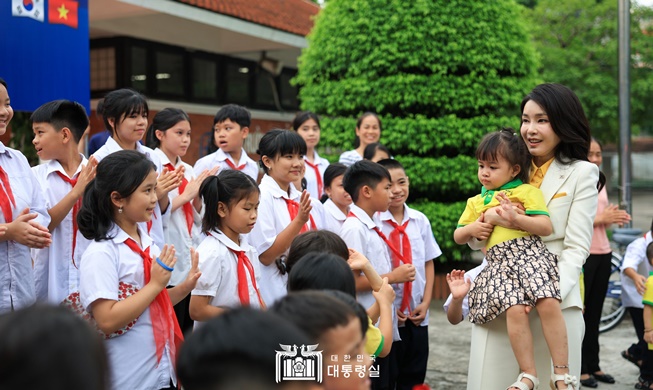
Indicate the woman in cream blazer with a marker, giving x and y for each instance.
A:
(554, 126)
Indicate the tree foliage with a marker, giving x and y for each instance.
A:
(578, 45)
(440, 73)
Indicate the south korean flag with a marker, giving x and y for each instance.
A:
(28, 8)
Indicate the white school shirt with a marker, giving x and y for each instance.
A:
(424, 248)
(311, 178)
(272, 218)
(158, 219)
(55, 275)
(335, 217)
(219, 157)
(471, 275)
(635, 258)
(132, 356)
(219, 266)
(175, 230)
(16, 274)
(350, 157)
(358, 233)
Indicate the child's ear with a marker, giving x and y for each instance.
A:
(116, 199)
(516, 169)
(244, 131)
(366, 191)
(266, 161)
(66, 135)
(222, 210)
(158, 134)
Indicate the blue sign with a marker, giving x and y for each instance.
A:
(45, 51)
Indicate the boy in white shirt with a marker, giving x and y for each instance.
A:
(58, 127)
(231, 127)
(409, 231)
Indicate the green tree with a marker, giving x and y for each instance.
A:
(440, 73)
(578, 45)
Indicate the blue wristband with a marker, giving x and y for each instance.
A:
(162, 264)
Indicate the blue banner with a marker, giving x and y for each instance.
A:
(45, 51)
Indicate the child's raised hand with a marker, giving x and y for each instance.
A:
(386, 294)
(159, 275)
(506, 210)
(193, 187)
(305, 207)
(85, 176)
(458, 284)
(194, 273)
(166, 182)
(357, 261)
(404, 273)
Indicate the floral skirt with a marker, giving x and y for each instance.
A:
(519, 272)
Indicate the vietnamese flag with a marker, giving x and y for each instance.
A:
(63, 12)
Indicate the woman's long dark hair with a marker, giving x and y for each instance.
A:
(123, 172)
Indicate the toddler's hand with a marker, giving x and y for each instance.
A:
(506, 209)
(480, 229)
(458, 284)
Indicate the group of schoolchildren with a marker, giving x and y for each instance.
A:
(148, 249)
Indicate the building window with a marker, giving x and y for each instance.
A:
(205, 82)
(266, 90)
(288, 92)
(103, 69)
(237, 76)
(170, 73)
(138, 71)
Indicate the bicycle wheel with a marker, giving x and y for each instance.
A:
(613, 310)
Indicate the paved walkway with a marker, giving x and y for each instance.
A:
(449, 345)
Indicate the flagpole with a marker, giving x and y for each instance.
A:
(625, 173)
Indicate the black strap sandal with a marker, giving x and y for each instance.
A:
(642, 384)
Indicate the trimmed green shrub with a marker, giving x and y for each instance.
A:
(440, 74)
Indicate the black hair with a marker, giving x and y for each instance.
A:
(354, 304)
(505, 143)
(597, 141)
(363, 173)
(278, 142)
(371, 149)
(359, 122)
(391, 163)
(119, 104)
(330, 173)
(63, 113)
(228, 187)
(649, 252)
(236, 350)
(568, 121)
(50, 347)
(3, 82)
(322, 271)
(314, 312)
(322, 241)
(123, 171)
(234, 113)
(302, 117)
(164, 120)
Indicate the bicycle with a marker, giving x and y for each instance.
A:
(613, 310)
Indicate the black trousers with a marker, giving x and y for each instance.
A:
(637, 350)
(597, 273)
(409, 357)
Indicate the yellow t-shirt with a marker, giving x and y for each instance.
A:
(374, 342)
(526, 194)
(647, 299)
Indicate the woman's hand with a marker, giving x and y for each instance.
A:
(492, 216)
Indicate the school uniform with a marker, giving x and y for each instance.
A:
(56, 274)
(314, 175)
(274, 217)
(335, 217)
(19, 190)
(350, 157)
(132, 355)
(225, 161)
(159, 218)
(219, 267)
(410, 355)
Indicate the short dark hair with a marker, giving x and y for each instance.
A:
(119, 104)
(505, 143)
(164, 120)
(322, 241)
(649, 252)
(370, 150)
(63, 113)
(236, 350)
(330, 173)
(279, 142)
(50, 347)
(234, 113)
(302, 117)
(351, 301)
(229, 187)
(322, 271)
(314, 312)
(391, 163)
(363, 173)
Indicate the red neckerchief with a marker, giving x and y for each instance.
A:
(318, 175)
(243, 288)
(6, 197)
(293, 210)
(76, 207)
(403, 243)
(164, 321)
(395, 263)
(186, 207)
(234, 167)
